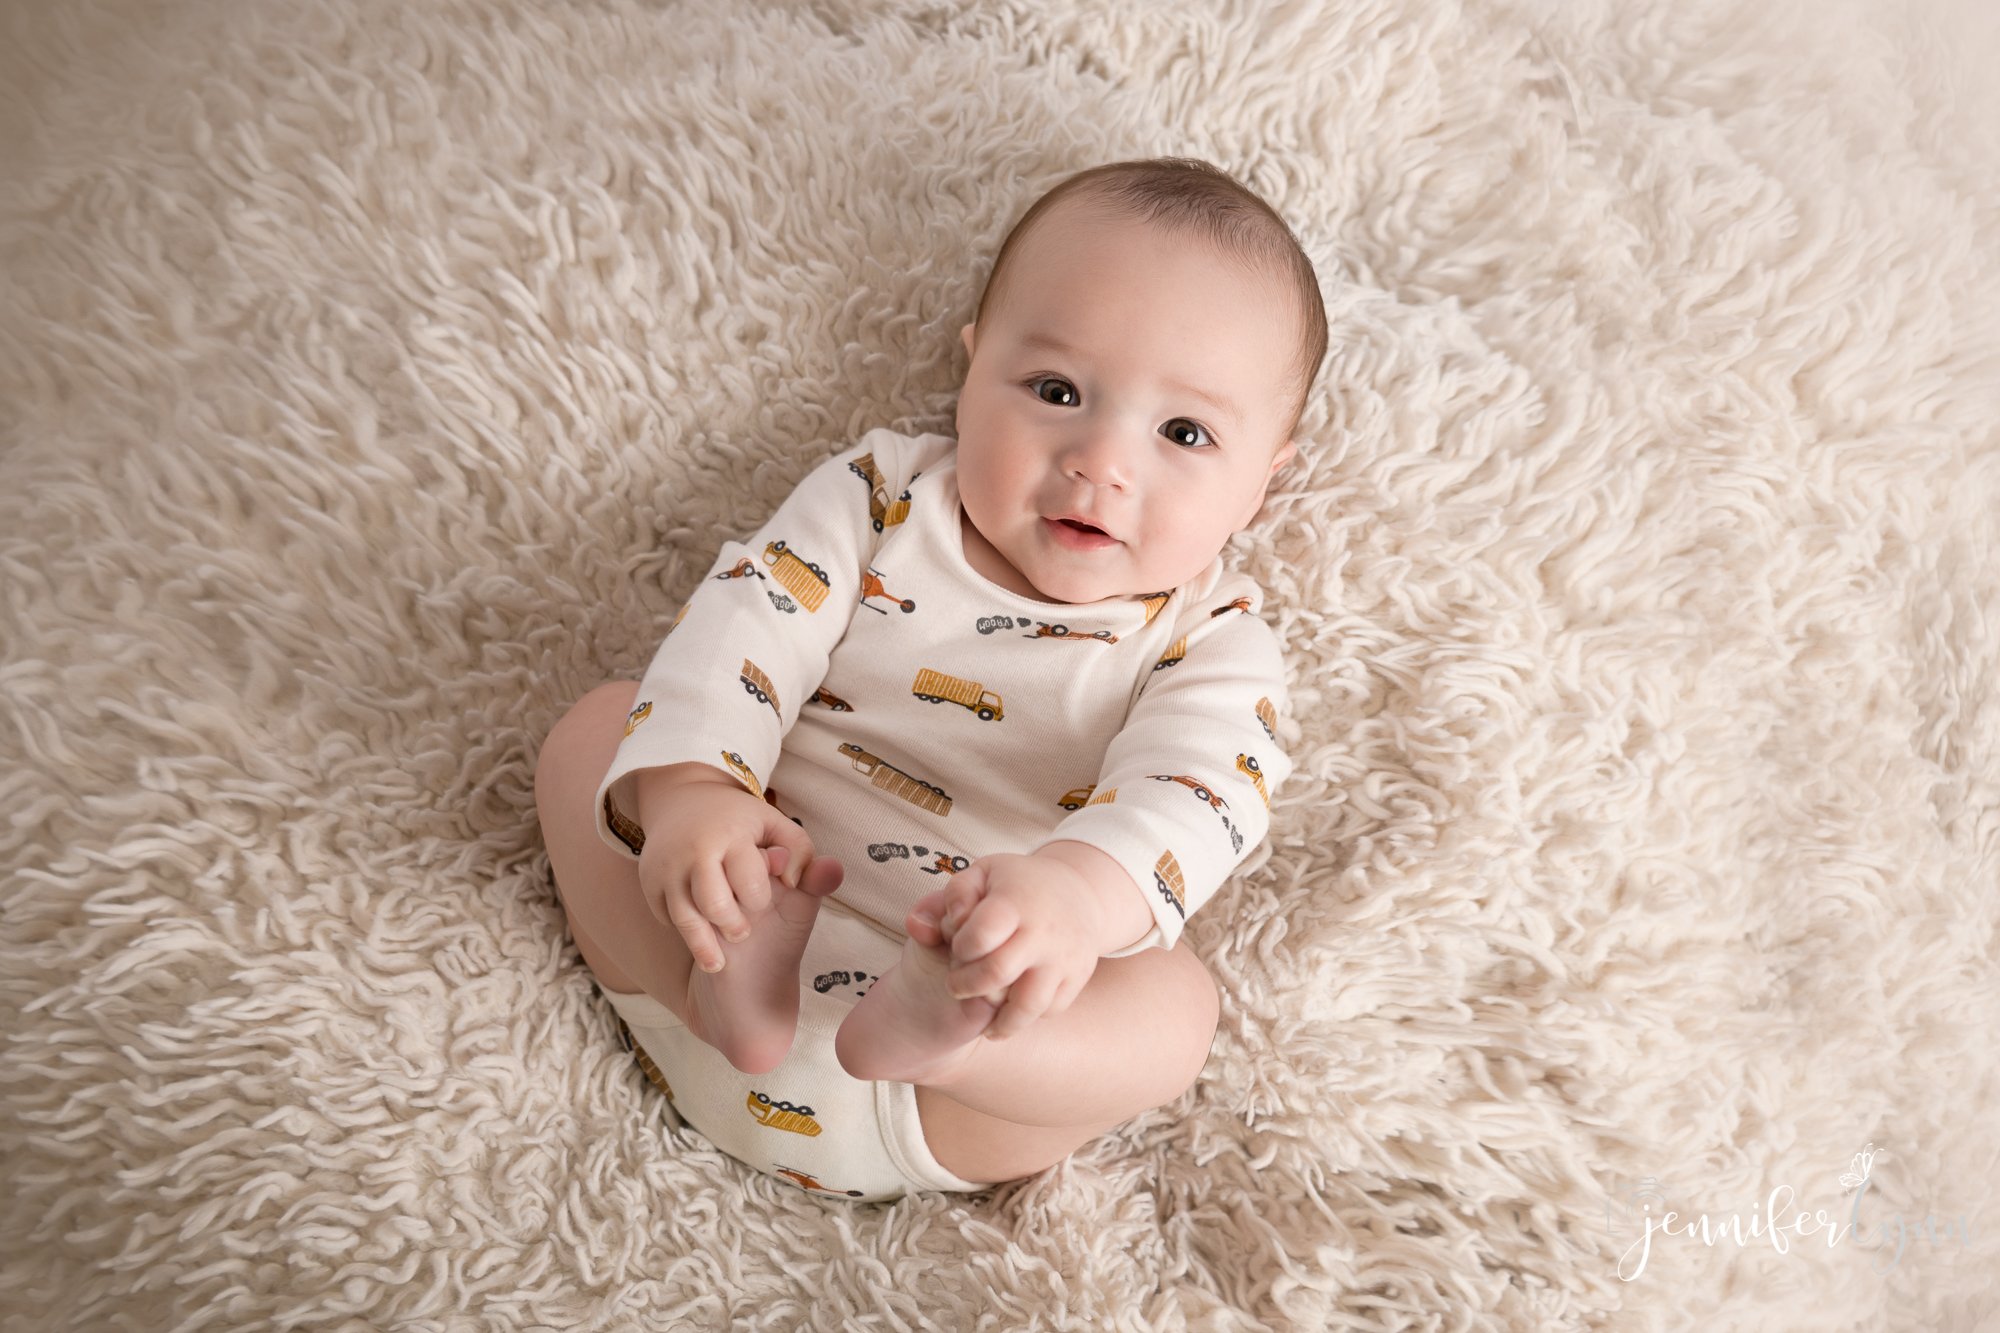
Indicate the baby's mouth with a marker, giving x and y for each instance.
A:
(1081, 536)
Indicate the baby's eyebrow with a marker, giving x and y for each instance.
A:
(1049, 342)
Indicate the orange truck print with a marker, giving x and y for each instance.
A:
(807, 582)
(937, 687)
(1044, 630)
(871, 586)
(805, 1180)
(1196, 785)
(1269, 717)
(760, 686)
(895, 781)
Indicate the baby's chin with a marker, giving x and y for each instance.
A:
(1083, 591)
(1125, 573)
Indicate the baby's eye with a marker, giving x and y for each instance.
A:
(1034, 385)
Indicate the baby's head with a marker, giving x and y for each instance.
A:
(1141, 356)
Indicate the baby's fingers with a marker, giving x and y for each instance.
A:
(1029, 998)
(987, 974)
(750, 879)
(989, 924)
(960, 895)
(692, 919)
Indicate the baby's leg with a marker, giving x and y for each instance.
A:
(1135, 1037)
(749, 1010)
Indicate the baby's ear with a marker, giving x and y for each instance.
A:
(1284, 455)
(965, 336)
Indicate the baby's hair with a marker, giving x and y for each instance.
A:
(1188, 195)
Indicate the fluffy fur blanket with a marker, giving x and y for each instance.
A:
(379, 375)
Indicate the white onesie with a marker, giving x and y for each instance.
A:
(855, 671)
(849, 667)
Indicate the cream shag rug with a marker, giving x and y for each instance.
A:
(379, 377)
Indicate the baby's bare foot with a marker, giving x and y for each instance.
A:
(909, 1028)
(750, 1009)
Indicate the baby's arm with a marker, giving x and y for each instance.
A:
(753, 642)
(1178, 805)
(1188, 778)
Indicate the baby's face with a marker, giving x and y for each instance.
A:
(1115, 428)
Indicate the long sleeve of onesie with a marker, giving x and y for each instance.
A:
(752, 643)
(1184, 794)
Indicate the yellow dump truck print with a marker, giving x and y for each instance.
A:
(638, 715)
(898, 510)
(937, 687)
(624, 829)
(1167, 879)
(1269, 717)
(1246, 764)
(881, 512)
(1105, 797)
(1173, 654)
(1154, 601)
(742, 771)
(807, 582)
(782, 1115)
(895, 781)
(759, 685)
(1074, 798)
(646, 1065)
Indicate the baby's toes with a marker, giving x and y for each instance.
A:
(823, 876)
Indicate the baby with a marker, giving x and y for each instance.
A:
(887, 869)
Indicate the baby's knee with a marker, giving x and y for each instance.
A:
(1202, 998)
(1181, 1003)
(588, 733)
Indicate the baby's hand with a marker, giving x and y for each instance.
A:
(1016, 936)
(707, 865)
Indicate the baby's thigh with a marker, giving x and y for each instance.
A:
(614, 929)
